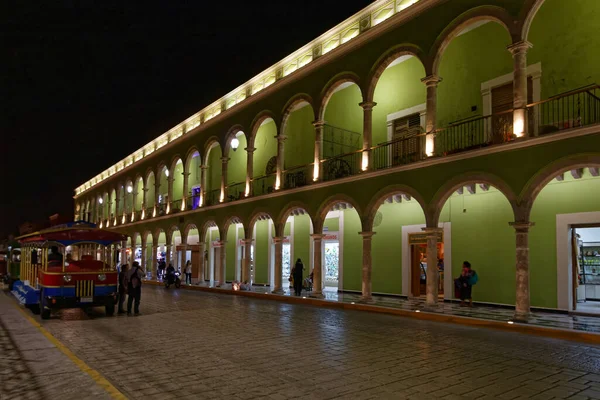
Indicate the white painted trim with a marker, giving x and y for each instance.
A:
(406, 270)
(420, 108)
(564, 280)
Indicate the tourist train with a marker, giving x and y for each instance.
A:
(67, 266)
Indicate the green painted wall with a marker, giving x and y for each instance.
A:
(302, 241)
(213, 178)
(399, 87)
(150, 192)
(387, 244)
(352, 251)
(164, 185)
(236, 166)
(299, 145)
(331, 224)
(266, 147)
(470, 59)
(565, 40)
(139, 189)
(178, 182)
(570, 196)
(261, 253)
(195, 173)
(343, 110)
(287, 229)
(482, 236)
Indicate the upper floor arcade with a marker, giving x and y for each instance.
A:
(393, 96)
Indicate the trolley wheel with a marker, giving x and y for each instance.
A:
(45, 312)
(110, 310)
(35, 309)
(177, 284)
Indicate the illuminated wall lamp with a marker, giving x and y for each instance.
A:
(129, 189)
(235, 143)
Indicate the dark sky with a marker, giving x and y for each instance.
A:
(86, 83)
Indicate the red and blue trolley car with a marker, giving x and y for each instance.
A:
(68, 266)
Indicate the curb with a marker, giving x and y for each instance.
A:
(555, 333)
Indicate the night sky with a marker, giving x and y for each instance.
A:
(84, 84)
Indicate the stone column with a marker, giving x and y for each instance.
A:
(203, 184)
(168, 248)
(247, 261)
(124, 252)
(117, 215)
(522, 306)
(224, 161)
(222, 263)
(278, 242)
(280, 160)
(366, 266)
(432, 285)
(519, 54)
(156, 194)
(317, 272)
(144, 198)
(169, 202)
(431, 82)
(201, 267)
(154, 264)
(367, 134)
(185, 195)
(249, 170)
(317, 169)
(143, 258)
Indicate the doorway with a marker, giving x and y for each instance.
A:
(585, 255)
(419, 264)
(286, 263)
(332, 263)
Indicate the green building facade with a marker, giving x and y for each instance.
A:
(415, 131)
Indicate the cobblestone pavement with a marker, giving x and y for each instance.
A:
(31, 367)
(189, 344)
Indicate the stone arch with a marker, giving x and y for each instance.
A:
(188, 158)
(384, 194)
(134, 239)
(386, 59)
(231, 220)
(173, 162)
(233, 131)
(477, 14)
(157, 233)
(211, 222)
(293, 102)
(289, 209)
(149, 172)
(258, 214)
(539, 181)
(211, 143)
(444, 193)
(326, 206)
(527, 16)
(170, 232)
(145, 237)
(258, 120)
(331, 86)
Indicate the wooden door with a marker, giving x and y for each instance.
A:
(415, 271)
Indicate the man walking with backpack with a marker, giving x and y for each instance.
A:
(134, 288)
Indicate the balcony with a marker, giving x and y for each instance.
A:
(572, 109)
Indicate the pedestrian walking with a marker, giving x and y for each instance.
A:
(297, 273)
(134, 288)
(188, 272)
(122, 287)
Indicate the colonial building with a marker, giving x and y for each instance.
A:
(409, 138)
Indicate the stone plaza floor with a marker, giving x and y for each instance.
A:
(197, 345)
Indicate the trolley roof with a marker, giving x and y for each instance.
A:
(73, 233)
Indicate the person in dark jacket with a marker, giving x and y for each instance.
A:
(465, 284)
(122, 288)
(297, 273)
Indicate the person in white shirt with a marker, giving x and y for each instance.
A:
(188, 272)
